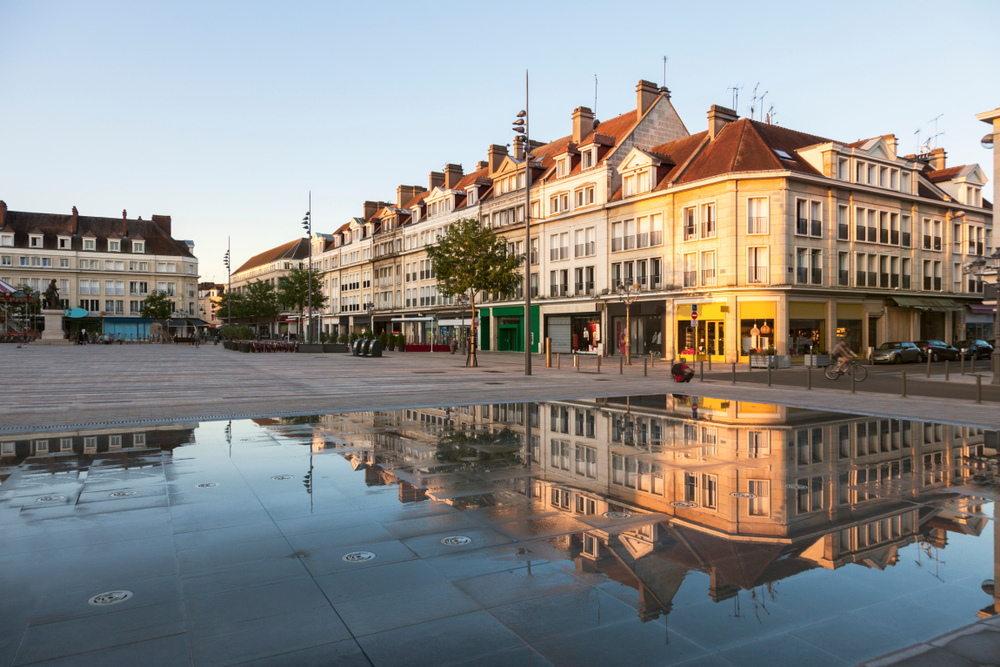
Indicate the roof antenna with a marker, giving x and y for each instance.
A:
(753, 105)
(736, 96)
(936, 133)
(595, 96)
(771, 115)
(762, 101)
(665, 58)
(917, 133)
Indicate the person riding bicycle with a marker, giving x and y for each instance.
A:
(843, 353)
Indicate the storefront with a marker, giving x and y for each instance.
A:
(415, 330)
(757, 326)
(505, 326)
(702, 338)
(979, 322)
(578, 333)
(645, 322)
(850, 320)
(807, 329)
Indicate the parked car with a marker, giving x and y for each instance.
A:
(977, 349)
(896, 353)
(936, 350)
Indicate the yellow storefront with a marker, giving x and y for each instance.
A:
(757, 326)
(706, 340)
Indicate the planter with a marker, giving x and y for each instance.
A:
(244, 347)
(311, 348)
(336, 347)
(774, 361)
(816, 360)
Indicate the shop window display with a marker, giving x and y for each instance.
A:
(756, 335)
(806, 337)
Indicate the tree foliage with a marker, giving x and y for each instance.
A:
(293, 290)
(157, 306)
(471, 258)
(261, 301)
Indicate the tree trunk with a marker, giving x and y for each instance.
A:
(471, 361)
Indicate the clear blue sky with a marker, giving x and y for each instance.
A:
(224, 115)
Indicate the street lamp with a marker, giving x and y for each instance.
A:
(980, 268)
(628, 292)
(229, 286)
(307, 225)
(520, 126)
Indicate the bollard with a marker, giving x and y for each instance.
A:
(946, 370)
(559, 361)
(701, 378)
(644, 368)
(576, 362)
(809, 377)
(903, 393)
(548, 353)
(961, 358)
(769, 373)
(598, 363)
(709, 363)
(652, 359)
(621, 365)
(734, 372)
(979, 389)
(929, 355)
(852, 383)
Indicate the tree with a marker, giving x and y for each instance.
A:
(157, 306)
(293, 290)
(261, 301)
(471, 258)
(238, 301)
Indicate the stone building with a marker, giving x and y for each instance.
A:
(104, 266)
(272, 266)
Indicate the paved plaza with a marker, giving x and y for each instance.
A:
(91, 385)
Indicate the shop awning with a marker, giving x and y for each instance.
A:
(197, 322)
(981, 309)
(455, 323)
(176, 323)
(413, 319)
(927, 303)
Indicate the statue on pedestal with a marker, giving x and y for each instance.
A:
(52, 296)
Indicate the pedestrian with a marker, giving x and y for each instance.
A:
(681, 371)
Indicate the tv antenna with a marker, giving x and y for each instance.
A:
(665, 58)
(753, 105)
(736, 96)
(770, 115)
(595, 96)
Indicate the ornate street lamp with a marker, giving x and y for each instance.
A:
(628, 292)
(307, 225)
(980, 268)
(229, 287)
(520, 126)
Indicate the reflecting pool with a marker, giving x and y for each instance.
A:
(636, 530)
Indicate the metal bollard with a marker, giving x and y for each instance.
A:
(929, 355)
(979, 389)
(559, 361)
(946, 370)
(809, 377)
(701, 378)
(769, 374)
(709, 363)
(652, 359)
(644, 368)
(734, 372)
(621, 365)
(903, 394)
(576, 362)
(598, 363)
(852, 383)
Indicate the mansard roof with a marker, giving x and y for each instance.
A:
(297, 249)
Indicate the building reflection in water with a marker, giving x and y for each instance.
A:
(749, 494)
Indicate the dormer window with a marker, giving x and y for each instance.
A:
(138, 246)
(562, 167)
(35, 241)
(473, 196)
(587, 159)
(90, 244)
(114, 246)
(7, 240)
(65, 243)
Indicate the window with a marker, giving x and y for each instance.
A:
(628, 185)
(138, 246)
(758, 269)
(708, 268)
(7, 240)
(6, 260)
(709, 491)
(89, 244)
(690, 269)
(760, 503)
(757, 215)
(708, 221)
(843, 269)
(690, 219)
(843, 169)
(843, 223)
(114, 246)
(816, 276)
(802, 265)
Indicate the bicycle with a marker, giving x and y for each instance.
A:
(853, 367)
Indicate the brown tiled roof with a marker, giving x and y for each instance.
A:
(52, 225)
(679, 151)
(923, 190)
(616, 127)
(942, 175)
(416, 199)
(297, 249)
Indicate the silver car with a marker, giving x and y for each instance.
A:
(896, 353)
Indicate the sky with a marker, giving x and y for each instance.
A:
(226, 115)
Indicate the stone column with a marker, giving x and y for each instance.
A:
(781, 324)
(53, 334)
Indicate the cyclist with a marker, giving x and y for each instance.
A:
(843, 354)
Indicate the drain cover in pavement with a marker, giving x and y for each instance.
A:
(358, 557)
(207, 485)
(123, 494)
(743, 494)
(456, 541)
(617, 515)
(281, 477)
(684, 503)
(111, 597)
(49, 499)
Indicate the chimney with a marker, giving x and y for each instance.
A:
(583, 123)
(495, 155)
(163, 222)
(519, 147)
(124, 222)
(890, 141)
(76, 222)
(937, 156)
(3, 213)
(370, 208)
(436, 180)
(452, 175)
(718, 118)
(646, 94)
(482, 164)
(405, 193)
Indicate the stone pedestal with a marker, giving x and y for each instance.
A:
(53, 334)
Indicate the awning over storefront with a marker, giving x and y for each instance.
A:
(455, 323)
(927, 303)
(413, 319)
(981, 309)
(197, 322)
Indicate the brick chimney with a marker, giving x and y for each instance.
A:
(405, 193)
(452, 175)
(3, 213)
(370, 208)
(163, 222)
(76, 222)
(518, 147)
(937, 158)
(583, 123)
(495, 155)
(890, 141)
(718, 118)
(436, 180)
(124, 223)
(646, 94)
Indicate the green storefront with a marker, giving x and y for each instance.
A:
(509, 325)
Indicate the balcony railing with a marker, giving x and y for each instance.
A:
(873, 235)
(937, 284)
(564, 252)
(906, 282)
(708, 277)
(690, 279)
(534, 257)
(894, 280)
(758, 275)
(894, 237)
(979, 249)
(927, 242)
(584, 288)
(553, 254)
(616, 244)
(630, 242)
(927, 283)
(756, 225)
(937, 242)
(708, 230)
(905, 238)
(656, 281)
(578, 250)
(642, 240)
(558, 290)
(843, 232)
(883, 280)
(655, 238)
(690, 232)
(802, 226)
(873, 279)
(816, 229)
(817, 276)
(859, 233)
(883, 236)
(843, 277)
(801, 275)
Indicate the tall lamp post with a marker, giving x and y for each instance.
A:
(307, 225)
(521, 127)
(980, 268)
(229, 286)
(628, 292)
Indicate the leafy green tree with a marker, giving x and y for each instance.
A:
(157, 306)
(470, 258)
(239, 305)
(293, 290)
(261, 301)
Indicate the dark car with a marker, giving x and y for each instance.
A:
(936, 350)
(977, 349)
(896, 353)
